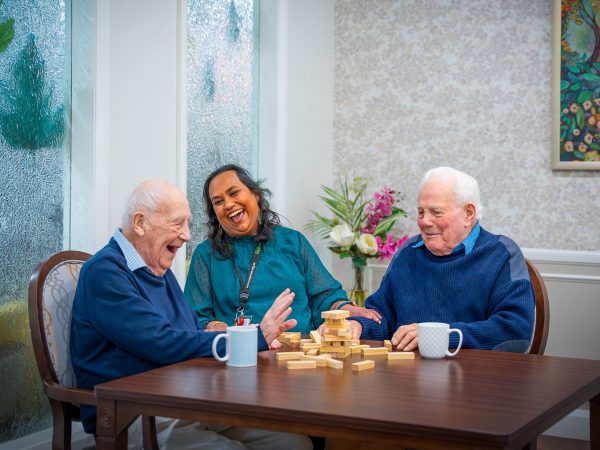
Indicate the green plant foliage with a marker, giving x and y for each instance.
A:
(7, 33)
(26, 118)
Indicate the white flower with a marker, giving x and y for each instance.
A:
(367, 244)
(342, 235)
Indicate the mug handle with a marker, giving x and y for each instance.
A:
(460, 338)
(214, 347)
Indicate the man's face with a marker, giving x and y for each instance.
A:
(164, 231)
(443, 225)
(235, 206)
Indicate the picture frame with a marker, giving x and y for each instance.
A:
(575, 86)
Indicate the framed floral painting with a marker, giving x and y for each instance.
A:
(576, 85)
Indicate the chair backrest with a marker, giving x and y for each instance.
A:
(51, 291)
(542, 311)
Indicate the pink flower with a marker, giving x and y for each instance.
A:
(388, 248)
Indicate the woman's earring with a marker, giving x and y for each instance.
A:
(219, 233)
(260, 218)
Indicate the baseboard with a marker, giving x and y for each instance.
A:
(42, 440)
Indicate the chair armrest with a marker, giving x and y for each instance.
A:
(71, 395)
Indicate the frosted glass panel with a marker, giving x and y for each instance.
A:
(34, 161)
(222, 89)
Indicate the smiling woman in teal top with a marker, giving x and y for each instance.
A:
(246, 240)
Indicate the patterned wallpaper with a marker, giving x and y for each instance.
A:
(465, 83)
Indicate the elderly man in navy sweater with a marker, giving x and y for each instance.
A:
(453, 272)
(130, 315)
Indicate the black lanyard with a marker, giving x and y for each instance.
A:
(245, 289)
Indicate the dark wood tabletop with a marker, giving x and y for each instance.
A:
(477, 399)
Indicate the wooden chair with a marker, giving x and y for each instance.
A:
(542, 311)
(51, 291)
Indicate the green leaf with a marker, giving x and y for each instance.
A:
(590, 77)
(579, 115)
(574, 69)
(575, 87)
(584, 96)
(564, 84)
(7, 33)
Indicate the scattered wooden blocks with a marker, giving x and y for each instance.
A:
(304, 364)
(362, 365)
(320, 359)
(393, 356)
(374, 351)
(313, 352)
(334, 363)
(289, 356)
(388, 344)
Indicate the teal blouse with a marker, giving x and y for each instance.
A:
(287, 261)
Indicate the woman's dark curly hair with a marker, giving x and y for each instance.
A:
(220, 242)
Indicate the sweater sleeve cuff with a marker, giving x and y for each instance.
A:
(370, 329)
(262, 343)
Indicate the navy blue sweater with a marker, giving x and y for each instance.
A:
(128, 322)
(486, 293)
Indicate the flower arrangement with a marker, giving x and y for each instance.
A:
(361, 228)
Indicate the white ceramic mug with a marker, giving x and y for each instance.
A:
(434, 338)
(241, 347)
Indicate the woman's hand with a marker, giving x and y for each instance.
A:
(216, 325)
(359, 311)
(275, 320)
(356, 329)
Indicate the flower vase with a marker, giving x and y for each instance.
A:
(358, 294)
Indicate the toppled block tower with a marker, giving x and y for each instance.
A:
(337, 334)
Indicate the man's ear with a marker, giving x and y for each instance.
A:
(470, 214)
(139, 222)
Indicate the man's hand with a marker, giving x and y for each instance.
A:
(274, 322)
(406, 338)
(359, 311)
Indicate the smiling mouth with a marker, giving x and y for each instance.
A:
(172, 248)
(236, 216)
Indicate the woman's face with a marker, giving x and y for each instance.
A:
(235, 206)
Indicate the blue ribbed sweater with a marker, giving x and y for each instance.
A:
(487, 293)
(128, 322)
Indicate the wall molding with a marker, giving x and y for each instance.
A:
(551, 256)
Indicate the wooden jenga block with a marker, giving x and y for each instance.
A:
(303, 364)
(335, 314)
(313, 352)
(334, 363)
(392, 356)
(320, 359)
(288, 356)
(334, 338)
(388, 344)
(294, 343)
(305, 346)
(334, 349)
(355, 341)
(315, 336)
(363, 365)
(306, 340)
(356, 350)
(374, 351)
(361, 346)
(340, 355)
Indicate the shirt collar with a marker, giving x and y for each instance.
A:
(132, 257)
(468, 243)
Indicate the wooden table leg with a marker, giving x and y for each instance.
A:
(595, 423)
(111, 434)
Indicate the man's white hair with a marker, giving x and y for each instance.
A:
(466, 188)
(146, 196)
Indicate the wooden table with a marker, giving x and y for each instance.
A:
(479, 399)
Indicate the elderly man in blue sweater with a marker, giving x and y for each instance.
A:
(453, 272)
(130, 315)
